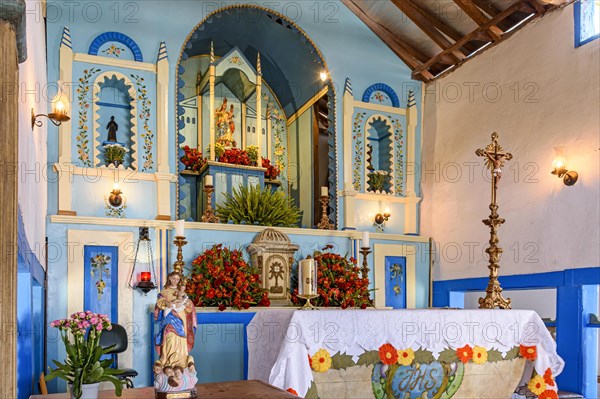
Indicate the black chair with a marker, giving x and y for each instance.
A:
(118, 337)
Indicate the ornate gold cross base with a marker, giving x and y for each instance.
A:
(209, 214)
(325, 223)
(495, 158)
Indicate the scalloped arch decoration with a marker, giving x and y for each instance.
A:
(116, 37)
(384, 88)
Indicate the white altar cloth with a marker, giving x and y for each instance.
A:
(295, 335)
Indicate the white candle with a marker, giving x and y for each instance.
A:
(306, 277)
(365, 240)
(324, 192)
(180, 228)
(208, 180)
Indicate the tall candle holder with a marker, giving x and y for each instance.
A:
(365, 251)
(179, 263)
(209, 214)
(325, 223)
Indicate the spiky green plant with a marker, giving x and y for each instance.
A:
(255, 206)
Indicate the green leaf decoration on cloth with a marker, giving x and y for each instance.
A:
(494, 356)
(341, 361)
(312, 392)
(368, 358)
(512, 354)
(423, 356)
(448, 356)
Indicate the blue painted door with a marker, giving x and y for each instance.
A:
(100, 280)
(395, 282)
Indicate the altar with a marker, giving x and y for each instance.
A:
(432, 353)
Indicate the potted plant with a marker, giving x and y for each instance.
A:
(114, 154)
(83, 370)
(378, 180)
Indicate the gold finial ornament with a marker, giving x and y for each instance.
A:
(495, 159)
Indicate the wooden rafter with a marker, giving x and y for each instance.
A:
(482, 28)
(411, 56)
(539, 7)
(490, 9)
(420, 19)
(469, 7)
(440, 25)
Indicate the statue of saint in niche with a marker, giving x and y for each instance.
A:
(225, 125)
(112, 128)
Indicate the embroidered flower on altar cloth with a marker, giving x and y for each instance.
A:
(548, 379)
(480, 355)
(465, 353)
(528, 352)
(537, 385)
(406, 357)
(388, 354)
(548, 394)
(321, 361)
(292, 391)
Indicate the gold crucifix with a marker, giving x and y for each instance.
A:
(495, 158)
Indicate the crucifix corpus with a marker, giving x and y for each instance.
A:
(495, 157)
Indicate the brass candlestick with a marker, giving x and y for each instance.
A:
(209, 214)
(179, 263)
(365, 251)
(495, 158)
(308, 305)
(325, 223)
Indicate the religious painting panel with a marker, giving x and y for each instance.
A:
(101, 280)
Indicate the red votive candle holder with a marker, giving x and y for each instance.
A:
(145, 276)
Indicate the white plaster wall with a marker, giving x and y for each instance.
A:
(548, 226)
(32, 92)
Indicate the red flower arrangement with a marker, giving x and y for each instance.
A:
(272, 170)
(339, 282)
(192, 159)
(235, 156)
(220, 277)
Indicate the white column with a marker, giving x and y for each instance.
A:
(64, 167)
(211, 104)
(411, 208)
(199, 123)
(349, 191)
(163, 185)
(259, 105)
(244, 111)
(269, 135)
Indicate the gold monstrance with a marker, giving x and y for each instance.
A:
(495, 158)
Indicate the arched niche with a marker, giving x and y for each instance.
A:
(288, 63)
(379, 154)
(114, 94)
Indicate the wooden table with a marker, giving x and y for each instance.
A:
(217, 390)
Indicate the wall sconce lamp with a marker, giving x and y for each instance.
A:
(115, 199)
(60, 110)
(381, 218)
(560, 168)
(147, 280)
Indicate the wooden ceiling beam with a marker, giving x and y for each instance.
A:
(537, 5)
(408, 8)
(490, 9)
(442, 26)
(411, 56)
(480, 18)
(482, 28)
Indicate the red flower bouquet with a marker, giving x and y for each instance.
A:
(192, 159)
(272, 170)
(235, 156)
(220, 277)
(339, 282)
